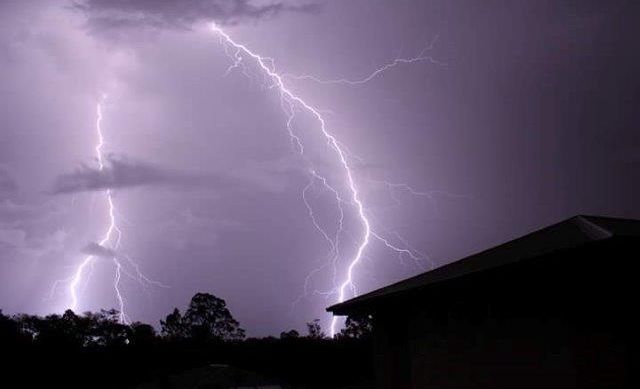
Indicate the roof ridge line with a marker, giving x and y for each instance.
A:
(591, 229)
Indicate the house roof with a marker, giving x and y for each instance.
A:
(572, 232)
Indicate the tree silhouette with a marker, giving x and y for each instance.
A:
(142, 334)
(96, 344)
(105, 328)
(54, 330)
(209, 318)
(9, 331)
(314, 330)
(70, 330)
(292, 334)
(357, 327)
(173, 326)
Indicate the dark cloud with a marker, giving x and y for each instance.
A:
(98, 250)
(121, 172)
(114, 14)
(7, 183)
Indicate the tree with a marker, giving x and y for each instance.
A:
(174, 326)
(357, 327)
(209, 318)
(54, 330)
(72, 331)
(314, 330)
(142, 334)
(9, 330)
(293, 334)
(105, 328)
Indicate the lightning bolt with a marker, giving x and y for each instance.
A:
(291, 102)
(111, 240)
(419, 57)
(112, 229)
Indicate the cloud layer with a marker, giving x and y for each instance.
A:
(98, 250)
(121, 172)
(113, 14)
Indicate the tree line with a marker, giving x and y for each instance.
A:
(98, 344)
(206, 318)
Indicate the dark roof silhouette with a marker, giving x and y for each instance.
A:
(572, 232)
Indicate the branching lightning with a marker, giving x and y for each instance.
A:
(346, 194)
(420, 57)
(239, 55)
(112, 229)
(110, 241)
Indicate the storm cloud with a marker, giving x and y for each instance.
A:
(97, 250)
(114, 14)
(122, 172)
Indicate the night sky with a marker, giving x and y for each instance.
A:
(519, 115)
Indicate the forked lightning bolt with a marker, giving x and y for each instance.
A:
(112, 230)
(110, 242)
(290, 102)
(420, 57)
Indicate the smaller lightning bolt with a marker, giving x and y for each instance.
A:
(427, 193)
(111, 229)
(432, 195)
(111, 240)
(334, 241)
(420, 57)
(401, 251)
(116, 287)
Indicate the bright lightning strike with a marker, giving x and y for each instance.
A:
(111, 229)
(290, 102)
(110, 242)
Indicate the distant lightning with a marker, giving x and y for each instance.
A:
(111, 229)
(312, 216)
(111, 240)
(420, 57)
(290, 102)
(116, 287)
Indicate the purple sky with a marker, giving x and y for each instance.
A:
(527, 115)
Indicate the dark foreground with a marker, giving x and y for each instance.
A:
(204, 348)
(301, 362)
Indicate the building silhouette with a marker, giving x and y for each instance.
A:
(552, 309)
